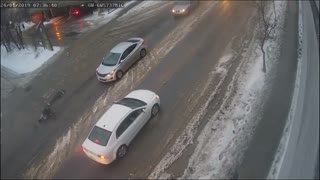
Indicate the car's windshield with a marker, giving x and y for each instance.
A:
(131, 103)
(182, 2)
(111, 59)
(99, 136)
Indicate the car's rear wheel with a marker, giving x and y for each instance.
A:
(155, 110)
(122, 151)
(119, 74)
(143, 53)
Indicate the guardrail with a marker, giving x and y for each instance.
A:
(301, 156)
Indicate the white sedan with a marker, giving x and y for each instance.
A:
(110, 137)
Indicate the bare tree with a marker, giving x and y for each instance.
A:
(11, 33)
(267, 24)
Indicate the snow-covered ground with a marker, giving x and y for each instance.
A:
(26, 60)
(27, 25)
(222, 143)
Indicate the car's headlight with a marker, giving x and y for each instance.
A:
(110, 74)
(173, 10)
(183, 10)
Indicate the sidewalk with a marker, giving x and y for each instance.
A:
(262, 149)
(6, 88)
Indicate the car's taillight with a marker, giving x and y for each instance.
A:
(84, 149)
(144, 42)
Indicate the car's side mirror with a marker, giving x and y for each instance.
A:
(121, 61)
(143, 110)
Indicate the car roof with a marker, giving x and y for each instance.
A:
(121, 47)
(113, 116)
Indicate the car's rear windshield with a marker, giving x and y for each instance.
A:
(111, 59)
(99, 136)
(133, 40)
(182, 2)
(131, 103)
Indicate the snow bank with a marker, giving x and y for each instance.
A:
(26, 60)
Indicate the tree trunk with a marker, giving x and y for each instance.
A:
(264, 68)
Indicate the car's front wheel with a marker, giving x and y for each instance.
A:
(119, 74)
(155, 110)
(122, 151)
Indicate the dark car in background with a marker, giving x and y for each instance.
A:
(79, 11)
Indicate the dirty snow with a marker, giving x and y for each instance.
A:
(143, 11)
(53, 158)
(188, 134)
(107, 15)
(26, 60)
(141, 7)
(218, 145)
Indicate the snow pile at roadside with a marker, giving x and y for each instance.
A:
(25, 60)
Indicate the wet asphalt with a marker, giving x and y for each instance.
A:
(177, 79)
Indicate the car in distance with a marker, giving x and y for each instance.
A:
(183, 7)
(79, 11)
(120, 59)
(110, 137)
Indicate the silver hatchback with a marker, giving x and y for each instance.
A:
(120, 59)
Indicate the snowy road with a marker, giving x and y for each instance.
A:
(192, 63)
